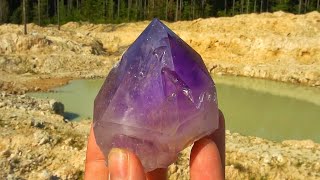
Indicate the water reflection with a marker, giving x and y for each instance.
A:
(267, 109)
(71, 116)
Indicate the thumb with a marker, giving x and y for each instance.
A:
(124, 165)
(205, 161)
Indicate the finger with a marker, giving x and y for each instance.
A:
(205, 162)
(158, 174)
(219, 137)
(95, 162)
(124, 165)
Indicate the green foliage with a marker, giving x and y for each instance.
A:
(284, 6)
(16, 16)
(186, 11)
(221, 13)
(108, 11)
(44, 16)
(4, 11)
(123, 12)
(207, 10)
(93, 10)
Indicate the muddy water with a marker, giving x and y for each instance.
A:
(272, 110)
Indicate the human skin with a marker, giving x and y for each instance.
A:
(207, 160)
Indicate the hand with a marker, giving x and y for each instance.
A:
(206, 162)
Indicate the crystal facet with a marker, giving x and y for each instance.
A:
(159, 99)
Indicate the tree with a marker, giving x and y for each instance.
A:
(144, 9)
(241, 8)
(152, 9)
(4, 11)
(47, 9)
(24, 17)
(255, 6)
(192, 8)
(105, 10)
(166, 13)
(300, 4)
(58, 13)
(225, 7)
(111, 4)
(69, 5)
(118, 12)
(267, 6)
(306, 4)
(39, 12)
(177, 9)
(44, 12)
(129, 6)
(233, 4)
(180, 9)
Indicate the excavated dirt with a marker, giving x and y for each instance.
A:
(278, 46)
(37, 143)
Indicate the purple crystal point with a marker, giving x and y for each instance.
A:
(159, 99)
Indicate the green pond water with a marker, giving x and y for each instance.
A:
(268, 109)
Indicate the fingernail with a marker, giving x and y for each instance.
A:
(118, 164)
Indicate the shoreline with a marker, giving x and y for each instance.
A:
(21, 84)
(268, 46)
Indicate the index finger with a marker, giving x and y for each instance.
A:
(219, 137)
(207, 155)
(95, 161)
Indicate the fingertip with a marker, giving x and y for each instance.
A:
(93, 151)
(205, 162)
(136, 170)
(95, 166)
(95, 170)
(219, 137)
(124, 164)
(118, 164)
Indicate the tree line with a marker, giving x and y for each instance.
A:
(43, 12)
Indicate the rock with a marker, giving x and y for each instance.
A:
(56, 107)
(11, 177)
(37, 123)
(6, 153)
(3, 94)
(41, 137)
(46, 175)
(247, 70)
(2, 104)
(312, 75)
(304, 143)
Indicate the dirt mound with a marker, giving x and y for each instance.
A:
(37, 143)
(278, 46)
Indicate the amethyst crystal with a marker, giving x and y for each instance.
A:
(159, 99)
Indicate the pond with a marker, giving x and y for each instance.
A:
(256, 107)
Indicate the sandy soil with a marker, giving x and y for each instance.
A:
(37, 143)
(278, 46)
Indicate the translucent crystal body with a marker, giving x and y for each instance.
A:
(157, 100)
